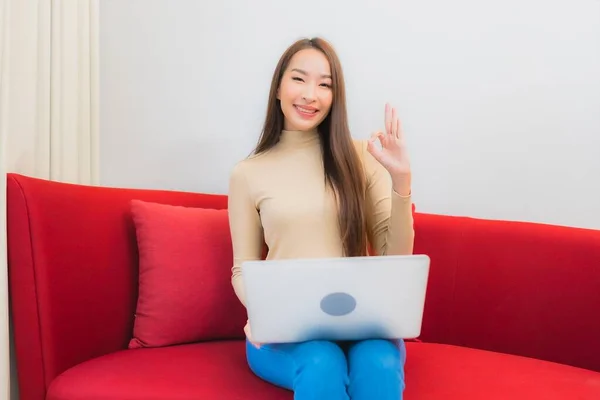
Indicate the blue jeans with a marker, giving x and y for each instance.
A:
(315, 370)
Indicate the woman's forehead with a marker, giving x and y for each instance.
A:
(311, 62)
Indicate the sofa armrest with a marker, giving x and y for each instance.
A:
(23, 297)
(62, 269)
(515, 287)
(73, 272)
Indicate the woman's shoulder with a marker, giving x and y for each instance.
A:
(239, 175)
(361, 146)
(370, 165)
(251, 165)
(361, 150)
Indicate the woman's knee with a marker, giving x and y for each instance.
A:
(321, 371)
(321, 356)
(377, 355)
(376, 370)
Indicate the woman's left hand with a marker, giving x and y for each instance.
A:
(393, 154)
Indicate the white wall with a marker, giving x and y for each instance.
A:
(500, 99)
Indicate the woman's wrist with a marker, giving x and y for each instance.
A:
(401, 183)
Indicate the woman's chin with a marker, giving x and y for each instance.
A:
(303, 125)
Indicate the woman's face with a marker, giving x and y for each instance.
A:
(305, 90)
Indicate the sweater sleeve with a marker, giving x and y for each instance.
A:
(389, 215)
(245, 227)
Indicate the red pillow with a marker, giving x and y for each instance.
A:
(185, 292)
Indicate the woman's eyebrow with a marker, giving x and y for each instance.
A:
(300, 71)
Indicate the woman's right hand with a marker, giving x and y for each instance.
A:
(248, 333)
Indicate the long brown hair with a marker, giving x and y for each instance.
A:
(343, 169)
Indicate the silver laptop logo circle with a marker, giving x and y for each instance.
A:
(338, 304)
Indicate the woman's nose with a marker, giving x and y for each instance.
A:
(309, 93)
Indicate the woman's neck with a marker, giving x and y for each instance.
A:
(297, 138)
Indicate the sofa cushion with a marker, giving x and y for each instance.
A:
(185, 292)
(437, 371)
(218, 370)
(209, 370)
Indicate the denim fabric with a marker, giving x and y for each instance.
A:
(315, 370)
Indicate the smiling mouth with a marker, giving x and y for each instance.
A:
(307, 111)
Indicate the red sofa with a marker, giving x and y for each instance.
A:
(511, 309)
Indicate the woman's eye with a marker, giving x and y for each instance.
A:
(327, 85)
(295, 78)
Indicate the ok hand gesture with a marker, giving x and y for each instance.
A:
(393, 154)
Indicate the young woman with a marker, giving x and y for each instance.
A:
(310, 190)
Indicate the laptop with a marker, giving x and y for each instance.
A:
(347, 298)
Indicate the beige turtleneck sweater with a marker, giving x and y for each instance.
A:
(279, 198)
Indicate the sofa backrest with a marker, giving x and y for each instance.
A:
(73, 271)
(514, 287)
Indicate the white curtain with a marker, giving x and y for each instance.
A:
(48, 111)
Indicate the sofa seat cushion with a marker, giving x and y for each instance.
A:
(218, 370)
(437, 371)
(207, 370)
